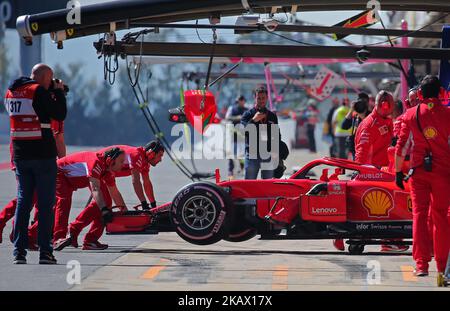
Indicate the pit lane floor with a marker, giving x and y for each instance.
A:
(166, 262)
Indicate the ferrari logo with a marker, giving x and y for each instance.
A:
(430, 132)
(70, 32)
(383, 130)
(378, 202)
(409, 203)
(35, 27)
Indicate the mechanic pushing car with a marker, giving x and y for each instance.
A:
(8, 211)
(82, 170)
(137, 164)
(263, 119)
(426, 129)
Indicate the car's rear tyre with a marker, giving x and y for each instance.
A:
(201, 213)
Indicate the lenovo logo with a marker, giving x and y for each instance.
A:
(324, 210)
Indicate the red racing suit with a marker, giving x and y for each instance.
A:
(373, 138)
(135, 158)
(397, 125)
(429, 190)
(74, 172)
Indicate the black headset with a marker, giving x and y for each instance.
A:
(113, 153)
(154, 145)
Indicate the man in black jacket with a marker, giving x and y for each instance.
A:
(31, 107)
(259, 124)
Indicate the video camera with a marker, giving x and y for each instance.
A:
(52, 87)
(262, 110)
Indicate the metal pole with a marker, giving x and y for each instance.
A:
(405, 64)
(30, 55)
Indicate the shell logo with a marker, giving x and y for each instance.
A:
(378, 202)
(430, 132)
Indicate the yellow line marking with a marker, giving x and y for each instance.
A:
(154, 271)
(408, 275)
(280, 277)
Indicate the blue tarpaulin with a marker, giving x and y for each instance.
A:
(444, 72)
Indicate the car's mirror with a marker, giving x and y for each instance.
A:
(317, 189)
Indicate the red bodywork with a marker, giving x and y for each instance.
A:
(371, 195)
(363, 204)
(134, 221)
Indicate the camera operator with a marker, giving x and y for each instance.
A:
(31, 107)
(262, 118)
(359, 110)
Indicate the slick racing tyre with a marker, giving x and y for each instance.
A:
(240, 230)
(201, 213)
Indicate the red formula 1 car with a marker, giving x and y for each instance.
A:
(347, 200)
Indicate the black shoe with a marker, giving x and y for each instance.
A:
(47, 259)
(62, 243)
(20, 260)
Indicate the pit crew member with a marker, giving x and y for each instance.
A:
(91, 170)
(137, 164)
(426, 129)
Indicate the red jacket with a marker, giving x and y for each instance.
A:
(80, 166)
(434, 120)
(398, 125)
(373, 138)
(135, 158)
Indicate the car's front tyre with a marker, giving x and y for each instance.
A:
(201, 213)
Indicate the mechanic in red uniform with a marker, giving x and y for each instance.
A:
(137, 164)
(397, 125)
(373, 138)
(9, 210)
(87, 170)
(427, 129)
(374, 134)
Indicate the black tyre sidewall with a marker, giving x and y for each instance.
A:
(221, 224)
(240, 229)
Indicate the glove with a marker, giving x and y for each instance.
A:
(399, 177)
(107, 215)
(145, 205)
(153, 204)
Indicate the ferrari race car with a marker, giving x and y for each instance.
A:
(346, 201)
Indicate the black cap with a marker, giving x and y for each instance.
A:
(363, 95)
(430, 86)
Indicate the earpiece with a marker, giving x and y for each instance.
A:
(152, 148)
(419, 94)
(112, 154)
